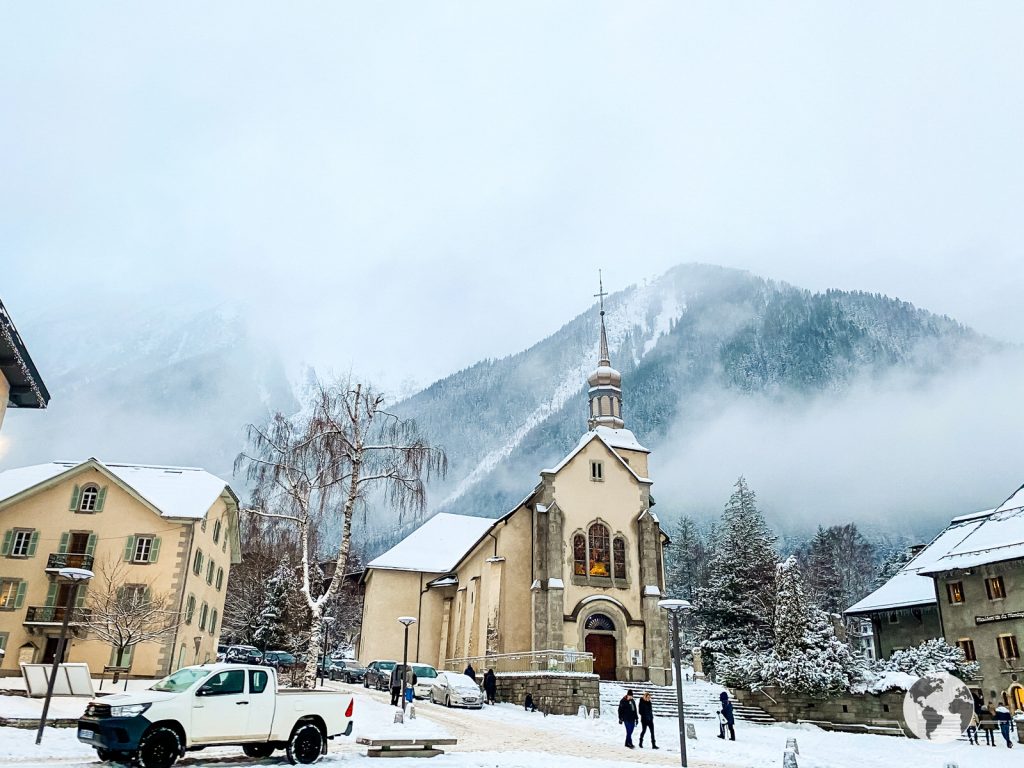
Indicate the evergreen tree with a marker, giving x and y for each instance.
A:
(840, 567)
(687, 559)
(893, 564)
(271, 625)
(735, 610)
(934, 655)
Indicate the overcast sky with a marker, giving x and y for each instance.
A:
(408, 187)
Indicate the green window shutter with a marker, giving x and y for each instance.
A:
(33, 542)
(147, 596)
(64, 539)
(129, 548)
(19, 599)
(120, 593)
(213, 622)
(76, 494)
(51, 594)
(101, 496)
(154, 550)
(3, 641)
(8, 537)
(90, 547)
(80, 597)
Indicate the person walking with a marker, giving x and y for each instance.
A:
(727, 719)
(470, 672)
(972, 730)
(987, 723)
(490, 685)
(628, 716)
(646, 708)
(395, 683)
(1003, 721)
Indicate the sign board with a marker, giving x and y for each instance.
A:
(979, 620)
(71, 680)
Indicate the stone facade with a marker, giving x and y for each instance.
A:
(904, 628)
(556, 694)
(883, 709)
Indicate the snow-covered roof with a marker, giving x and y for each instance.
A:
(175, 492)
(997, 537)
(910, 587)
(437, 546)
(623, 437)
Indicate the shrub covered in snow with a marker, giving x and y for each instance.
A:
(930, 656)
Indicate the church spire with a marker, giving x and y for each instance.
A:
(605, 382)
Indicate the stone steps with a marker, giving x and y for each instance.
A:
(699, 703)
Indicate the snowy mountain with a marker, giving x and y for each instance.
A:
(691, 345)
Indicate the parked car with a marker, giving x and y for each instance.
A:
(454, 689)
(425, 676)
(348, 670)
(279, 660)
(243, 654)
(198, 707)
(378, 674)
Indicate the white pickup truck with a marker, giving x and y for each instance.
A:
(215, 705)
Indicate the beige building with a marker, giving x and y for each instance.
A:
(170, 530)
(21, 386)
(576, 566)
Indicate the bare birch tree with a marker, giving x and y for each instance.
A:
(125, 611)
(315, 472)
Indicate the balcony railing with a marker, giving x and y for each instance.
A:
(527, 661)
(58, 560)
(54, 614)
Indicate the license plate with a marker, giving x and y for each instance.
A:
(85, 733)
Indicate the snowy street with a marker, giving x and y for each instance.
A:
(509, 737)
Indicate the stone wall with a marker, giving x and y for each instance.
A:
(883, 709)
(554, 693)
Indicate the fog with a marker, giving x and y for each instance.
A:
(894, 454)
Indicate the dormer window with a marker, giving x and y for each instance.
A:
(88, 499)
(597, 471)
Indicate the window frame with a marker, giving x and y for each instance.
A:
(966, 645)
(995, 581)
(597, 470)
(619, 541)
(9, 597)
(579, 554)
(210, 569)
(1008, 642)
(955, 592)
(220, 578)
(190, 608)
(216, 532)
(204, 614)
(197, 563)
(594, 554)
(143, 543)
(204, 691)
(90, 492)
(25, 535)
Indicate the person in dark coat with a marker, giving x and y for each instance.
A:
(470, 672)
(528, 705)
(987, 720)
(1003, 721)
(646, 707)
(395, 684)
(490, 685)
(628, 716)
(728, 720)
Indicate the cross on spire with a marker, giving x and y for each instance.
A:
(601, 293)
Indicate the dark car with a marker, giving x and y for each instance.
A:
(378, 675)
(349, 671)
(243, 654)
(279, 660)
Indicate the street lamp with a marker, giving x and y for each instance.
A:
(676, 609)
(406, 621)
(76, 576)
(327, 620)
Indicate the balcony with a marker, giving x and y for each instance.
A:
(57, 560)
(54, 614)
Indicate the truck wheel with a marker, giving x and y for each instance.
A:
(305, 745)
(159, 747)
(258, 750)
(105, 755)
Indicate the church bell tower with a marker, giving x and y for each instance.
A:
(605, 382)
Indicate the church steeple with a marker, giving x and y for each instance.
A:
(605, 382)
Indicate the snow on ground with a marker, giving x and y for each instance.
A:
(506, 736)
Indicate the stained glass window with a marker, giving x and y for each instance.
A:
(600, 553)
(619, 557)
(579, 555)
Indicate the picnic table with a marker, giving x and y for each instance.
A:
(425, 747)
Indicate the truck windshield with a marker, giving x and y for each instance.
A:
(181, 680)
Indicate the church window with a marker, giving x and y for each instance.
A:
(579, 554)
(599, 622)
(600, 554)
(597, 470)
(619, 557)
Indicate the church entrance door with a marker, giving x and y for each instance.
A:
(603, 648)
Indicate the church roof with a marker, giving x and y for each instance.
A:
(437, 546)
(612, 438)
(911, 586)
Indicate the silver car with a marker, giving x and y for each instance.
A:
(454, 689)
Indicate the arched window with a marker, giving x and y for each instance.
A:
(599, 622)
(579, 554)
(619, 557)
(600, 553)
(89, 496)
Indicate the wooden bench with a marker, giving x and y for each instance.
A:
(426, 747)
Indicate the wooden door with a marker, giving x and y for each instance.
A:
(603, 648)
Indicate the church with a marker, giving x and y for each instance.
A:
(577, 566)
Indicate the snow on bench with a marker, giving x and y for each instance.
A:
(423, 747)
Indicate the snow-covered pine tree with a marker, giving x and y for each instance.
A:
(934, 655)
(892, 564)
(839, 564)
(271, 630)
(687, 559)
(734, 612)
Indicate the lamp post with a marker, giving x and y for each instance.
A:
(76, 576)
(327, 620)
(676, 609)
(406, 621)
